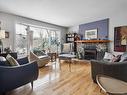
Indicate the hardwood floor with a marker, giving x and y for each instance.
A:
(53, 81)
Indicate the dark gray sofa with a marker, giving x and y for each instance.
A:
(117, 70)
(12, 77)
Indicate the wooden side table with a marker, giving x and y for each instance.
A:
(53, 56)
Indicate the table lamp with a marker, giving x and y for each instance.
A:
(2, 36)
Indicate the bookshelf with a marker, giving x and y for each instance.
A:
(71, 38)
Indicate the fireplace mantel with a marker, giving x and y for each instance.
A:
(93, 41)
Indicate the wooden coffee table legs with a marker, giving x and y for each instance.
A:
(69, 65)
(59, 64)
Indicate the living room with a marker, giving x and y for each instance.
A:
(66, 41)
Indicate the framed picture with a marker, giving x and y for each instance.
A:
(91, 34)
(120, 34)
(6, 34)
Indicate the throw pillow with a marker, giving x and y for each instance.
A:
(116, 58)
(124, 57)
(39, 52)
(108, 56)
(2, 58)
(11, 60)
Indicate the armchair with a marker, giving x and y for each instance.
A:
(67, 48)
(12, 77)
(41, 60)
(67, 52)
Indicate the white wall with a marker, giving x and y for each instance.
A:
(114, 21)
(74, 29)
(8, 22)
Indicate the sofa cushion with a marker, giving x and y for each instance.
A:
(108, 56)
(3, 61)
(106, 60)
(124, 57)
(11, 60)
(2, 58)
(39, 52)
(116, 58)
(23, 60)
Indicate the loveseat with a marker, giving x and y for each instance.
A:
(12, 77)
(117, 70)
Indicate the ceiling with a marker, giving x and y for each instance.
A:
(64, 12)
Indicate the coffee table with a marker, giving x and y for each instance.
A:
(112, 86)
(67, 57)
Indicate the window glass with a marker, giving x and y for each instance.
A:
(46, 40)
(36, 38)
(21, 40)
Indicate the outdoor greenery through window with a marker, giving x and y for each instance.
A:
(36, 38)
(21, 40)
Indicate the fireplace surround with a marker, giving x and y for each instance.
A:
(90, 54)
(92, 49)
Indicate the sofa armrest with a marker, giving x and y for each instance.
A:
(114, 69)
(109, 63)
(12, 77)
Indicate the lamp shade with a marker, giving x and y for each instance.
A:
(2, 34)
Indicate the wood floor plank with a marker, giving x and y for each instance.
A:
(53, 81)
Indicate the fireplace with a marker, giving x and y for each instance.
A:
(90, 54)
(92, 50)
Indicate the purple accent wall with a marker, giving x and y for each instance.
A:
(101, 25)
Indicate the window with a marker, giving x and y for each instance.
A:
(46, 39)
(21, 40)
(40, 39)
(36, 38)
(55, 41)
